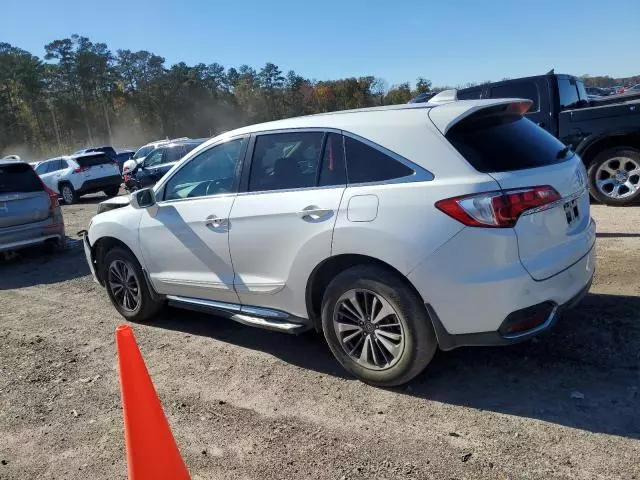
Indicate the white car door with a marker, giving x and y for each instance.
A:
(185, 238)
(281, 226)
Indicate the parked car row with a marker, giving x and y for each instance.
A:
(393, 230)
(147, 170)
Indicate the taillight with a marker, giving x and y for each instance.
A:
(81, 169)
(497, 209)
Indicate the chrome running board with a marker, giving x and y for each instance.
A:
(265, 318)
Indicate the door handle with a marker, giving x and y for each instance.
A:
(314, 213)
(215, 222)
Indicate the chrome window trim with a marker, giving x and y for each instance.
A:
(420, 174)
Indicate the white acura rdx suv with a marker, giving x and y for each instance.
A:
(393, 230)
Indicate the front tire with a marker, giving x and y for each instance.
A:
(376, 326)
(614, 176)
(127, 286)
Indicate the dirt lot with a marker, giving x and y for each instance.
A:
(246, 403)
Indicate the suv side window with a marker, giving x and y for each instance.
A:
(368, 164)
(332, 168)
(211, 172)
(527, 90)
(285, 160)
(154, 158)
(43, 168)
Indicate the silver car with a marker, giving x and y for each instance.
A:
(29, 211)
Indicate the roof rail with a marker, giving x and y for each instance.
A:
(446, 96)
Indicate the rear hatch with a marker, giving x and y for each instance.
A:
(23, 198)
(499, 141)
(97, 166)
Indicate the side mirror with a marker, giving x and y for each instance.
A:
(144, 198)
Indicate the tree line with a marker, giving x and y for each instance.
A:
(81, 93)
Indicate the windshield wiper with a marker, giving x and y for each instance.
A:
(563, 153)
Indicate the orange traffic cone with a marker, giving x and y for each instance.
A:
(152, 452)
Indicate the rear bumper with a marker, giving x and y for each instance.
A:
(100, 183)
(31, 234)
(474, 282)
(446, 341)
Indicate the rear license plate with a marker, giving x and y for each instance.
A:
(571, 211)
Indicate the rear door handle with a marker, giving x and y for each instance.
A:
(215, 222)
(314, 213)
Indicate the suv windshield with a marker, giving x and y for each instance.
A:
(143, 151)
(18, 177)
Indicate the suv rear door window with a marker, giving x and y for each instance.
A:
(500, 143)
(285, 160)
(368, 164)
(18, 177)
(518, 90)
(43, 168)
(332, 168)
(93, 160)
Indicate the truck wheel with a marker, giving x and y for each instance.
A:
(614, 176)
(67, 193)
(376, 326)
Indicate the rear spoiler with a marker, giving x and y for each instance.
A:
(448, 113)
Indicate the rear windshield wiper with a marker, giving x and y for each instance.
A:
(563, 153)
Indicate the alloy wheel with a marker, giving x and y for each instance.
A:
(369, 329)
(618, 177)
(124, 285)
(67, 194)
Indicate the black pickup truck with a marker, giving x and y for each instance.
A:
(605, 133)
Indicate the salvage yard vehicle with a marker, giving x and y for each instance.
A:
(81, 174)
(604, 132)
(157, 162)
(393, 230)
(29, 211)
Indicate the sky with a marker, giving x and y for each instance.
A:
(450, 42)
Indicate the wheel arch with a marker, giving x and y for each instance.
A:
(589, 148)
(326, 270)
(100, 248)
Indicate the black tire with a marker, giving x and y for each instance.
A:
(419, 338)
(601, 160)
(67, 193)
(51, 246)
(146, 306)
(111, 191)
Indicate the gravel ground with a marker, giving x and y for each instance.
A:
(245, 403)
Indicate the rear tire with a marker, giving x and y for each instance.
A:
(112, 191)
(68, 194)
(390, 321)
(615, 171)
(127, 286)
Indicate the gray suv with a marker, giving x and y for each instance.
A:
(29, 211)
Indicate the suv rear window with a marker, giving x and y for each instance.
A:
(502, 143)
(19, 178)
(93, 160)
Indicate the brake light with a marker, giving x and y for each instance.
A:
(497, 209)
(81, 169)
